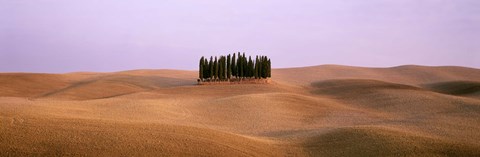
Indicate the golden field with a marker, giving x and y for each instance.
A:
(327, 110)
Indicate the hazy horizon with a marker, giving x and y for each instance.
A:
(56, 36)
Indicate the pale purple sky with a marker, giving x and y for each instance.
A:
(113, 35)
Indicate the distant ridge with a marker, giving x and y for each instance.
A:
(406, 74)
(131, 81)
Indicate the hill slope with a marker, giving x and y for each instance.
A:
(409, 74)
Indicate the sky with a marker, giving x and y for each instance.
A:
(58, 36)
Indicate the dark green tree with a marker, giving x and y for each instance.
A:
(234, 66)
(269, 67)
(247, 68)
(200, 71)
(215, 69)
(240, 65)
(225, 68)
(212, 68)
(222, 68)
(262, 66)
(229, 67)
(206, 69)
(219, 69)
(256, 68)
(265, 67)
(244, 65)
(250, 67)
(260, 69)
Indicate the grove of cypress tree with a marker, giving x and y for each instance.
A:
(222, 68)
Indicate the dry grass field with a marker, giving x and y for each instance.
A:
(327, 110)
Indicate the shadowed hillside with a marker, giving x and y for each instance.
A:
(459, 88)
(376, 141)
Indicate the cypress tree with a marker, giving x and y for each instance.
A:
(247, 68)
(223, 68)
(225, 65)
(237, 65)
(206, 68)
(256, 68)
(244, 65)
(240, 66)
(234, 66)
(250, 67)
(265, 66)
(269, 74)
(219, 64)
(219, 68)
(215, 69)
(260, 69)
(200, 71)
(229, 67)
(262, 62)
(212, 68)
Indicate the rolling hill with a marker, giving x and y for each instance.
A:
(327, 110)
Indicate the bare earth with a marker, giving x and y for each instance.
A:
(327, 110)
